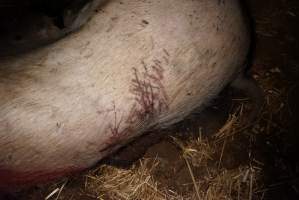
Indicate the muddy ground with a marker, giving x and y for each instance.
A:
(213, 155)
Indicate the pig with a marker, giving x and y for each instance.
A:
(137, 65)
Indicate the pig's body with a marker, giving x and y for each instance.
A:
(136, 65)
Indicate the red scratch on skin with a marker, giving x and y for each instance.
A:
(150, 99)
(149, 91)
(115, 128)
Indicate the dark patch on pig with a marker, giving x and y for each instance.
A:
(145, 22)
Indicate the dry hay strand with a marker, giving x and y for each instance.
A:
(276, 101)
(198, 151)
(237, 184)
(229, 128)
(135, 183)
(217, 184)
(55, 194)
(235, 124)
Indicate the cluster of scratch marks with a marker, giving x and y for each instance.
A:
(149, 96)
(115, 125)
(148, 91)
(115, 129)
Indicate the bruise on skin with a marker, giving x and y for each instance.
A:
(150, 99)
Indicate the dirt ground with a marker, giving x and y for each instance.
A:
(212, 154)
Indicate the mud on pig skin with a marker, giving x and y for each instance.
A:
(134, 66)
